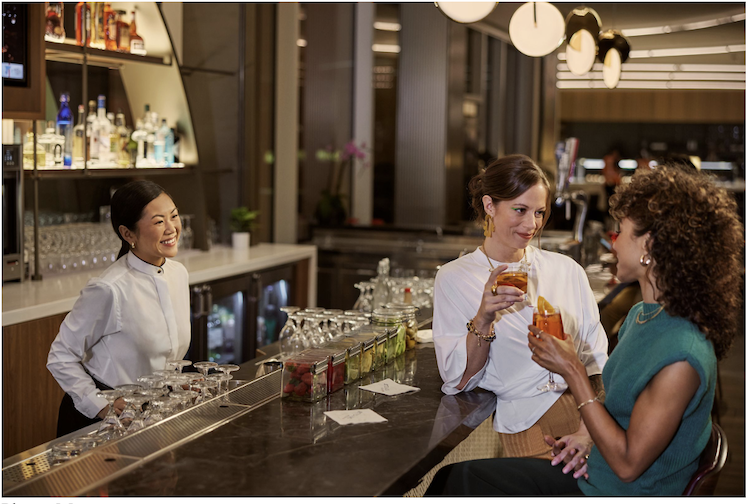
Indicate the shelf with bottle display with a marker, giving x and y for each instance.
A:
(111, 38)
(104, 143)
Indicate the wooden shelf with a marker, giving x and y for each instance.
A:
(80, 173)
(71, 53)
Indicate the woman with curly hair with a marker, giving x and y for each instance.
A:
(682, 240)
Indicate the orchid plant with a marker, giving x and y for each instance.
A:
(331, 209)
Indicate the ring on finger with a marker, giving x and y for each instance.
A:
(494, 289)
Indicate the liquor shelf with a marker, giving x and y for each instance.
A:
(69, 52)
(106, 172)
(277, 447)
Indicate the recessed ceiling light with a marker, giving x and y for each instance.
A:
(382, 25)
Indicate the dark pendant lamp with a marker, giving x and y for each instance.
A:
(613, 50)
(583, 26)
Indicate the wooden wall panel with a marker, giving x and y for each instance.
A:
(653, 106)
(31, 396)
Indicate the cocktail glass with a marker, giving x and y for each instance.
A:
(550, 322)
(110, 427)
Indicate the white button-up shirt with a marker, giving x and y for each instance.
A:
(126, 323)
(509, 371)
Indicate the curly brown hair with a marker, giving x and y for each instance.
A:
(696, 242)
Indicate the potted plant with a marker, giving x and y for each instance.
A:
(241, 223)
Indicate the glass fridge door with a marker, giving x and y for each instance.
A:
(271, 291)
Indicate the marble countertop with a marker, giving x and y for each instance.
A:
(31, 300)
(291, 448)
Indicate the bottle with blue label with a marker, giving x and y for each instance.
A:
(164, 145)
(65, 129)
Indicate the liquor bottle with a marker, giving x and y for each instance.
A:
(100, 133)
(82, 20)
(137, 45)
(112, 138)
(123, 32)
(169, 148)
(123, 138)
(110, 27)
(159, 145)
(54, 30)
(139, 136)
(149, 126)
(65, 129)
(79, 137)
(97, 27)
(90, 119)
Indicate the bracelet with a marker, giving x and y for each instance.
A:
(486, 337)
(585, 403)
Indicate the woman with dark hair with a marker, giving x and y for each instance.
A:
(480, 328)
(130, 320)
(682, 240)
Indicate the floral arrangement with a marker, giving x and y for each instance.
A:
(331, 209)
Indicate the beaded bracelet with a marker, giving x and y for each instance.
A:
(486, 337)
(585, 403)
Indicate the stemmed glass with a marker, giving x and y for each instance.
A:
(228, 368)
(297, 340)
(138, 399)
(127, 415)
(110, 427)
(177, 365)
(549, 320)
(185, 397)
(205, 366)
(287, 331)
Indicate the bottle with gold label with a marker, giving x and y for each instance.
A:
(110, 27)
(137, 45)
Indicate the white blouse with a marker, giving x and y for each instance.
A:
(126, 323)
(509, 371)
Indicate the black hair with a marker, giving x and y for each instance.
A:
(128, 203)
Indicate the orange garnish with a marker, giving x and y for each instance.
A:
(544, 306)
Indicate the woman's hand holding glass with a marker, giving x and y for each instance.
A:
(557, 355)
(497, 298)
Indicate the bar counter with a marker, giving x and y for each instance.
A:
(286, 448)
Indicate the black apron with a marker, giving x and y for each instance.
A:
(70, 419)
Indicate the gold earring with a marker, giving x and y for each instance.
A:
(132, 245)
(645, 260)
(488, 226)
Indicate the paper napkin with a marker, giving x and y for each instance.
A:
(388, 387)
(358, 416)
(424, 336)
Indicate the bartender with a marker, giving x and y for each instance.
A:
(132, 319)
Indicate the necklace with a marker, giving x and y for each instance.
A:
(491, 266)
(650, 316)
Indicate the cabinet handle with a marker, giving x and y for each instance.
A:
(208, 299)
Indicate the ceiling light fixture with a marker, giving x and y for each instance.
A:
(594, 84)
(466, 12)
(680, 51)
(613, 50)
(384, 26)
(537, 29)
(697, 25)
(582, 27)
(386, 48)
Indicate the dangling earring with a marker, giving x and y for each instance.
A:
(645, 260)
(488, 226)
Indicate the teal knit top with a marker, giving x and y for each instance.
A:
(643, 350)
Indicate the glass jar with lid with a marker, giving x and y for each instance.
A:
(353, 358)
(381, 335)
(410, 312)
(368, 339)
(395, 321)
(336, 365)
(304, 377)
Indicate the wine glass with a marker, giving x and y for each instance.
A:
(287, 330)
(177, 365)
(549, 320)
(205, 366)
(110, 427)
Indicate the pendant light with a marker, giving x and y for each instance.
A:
(537, 28)
(466, 12)
(583, 26)
(613, 50)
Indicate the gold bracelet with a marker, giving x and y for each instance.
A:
(585, 403)
(486, 337)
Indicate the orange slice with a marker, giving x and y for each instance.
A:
(544, 306)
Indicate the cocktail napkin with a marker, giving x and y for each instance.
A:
(389, 387)
(359, 416)
(424, 336)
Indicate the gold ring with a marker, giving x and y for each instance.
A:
(494, 289)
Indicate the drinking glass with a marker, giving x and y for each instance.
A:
(287, 331)
(228, 368)
(66, 450)
(186, 398)
(550, 322)
(516, 275)
(205, 366)
(130, 412)
(177, 365)
(110, 427)
(142, 403)
(154, 412)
